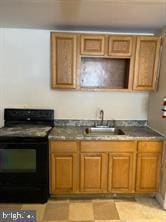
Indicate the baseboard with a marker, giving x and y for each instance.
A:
(161, 200)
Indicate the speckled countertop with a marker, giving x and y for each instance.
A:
(78, 133)
(24, 131)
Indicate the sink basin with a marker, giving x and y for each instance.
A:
(103, 131)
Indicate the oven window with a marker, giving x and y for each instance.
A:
(17, 160)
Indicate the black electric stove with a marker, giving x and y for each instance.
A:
(24, 156)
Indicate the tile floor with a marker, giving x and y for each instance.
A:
(118, 210)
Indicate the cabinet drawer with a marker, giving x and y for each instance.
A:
(113, 146)
(64, 146)
(150, 146)
(92, 44)
(120, 45)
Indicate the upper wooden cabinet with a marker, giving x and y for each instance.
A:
(146, 63)
(104, 62)
(92, 45)
(120, 46)
(63, 49)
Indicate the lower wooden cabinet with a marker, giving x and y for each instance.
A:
(105, 166)
(148, 166)
(63, 172)
(121, 174)
(63, 167)
(93, 172)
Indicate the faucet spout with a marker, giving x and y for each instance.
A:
(102, 117)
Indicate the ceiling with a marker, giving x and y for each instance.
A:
(96, 15)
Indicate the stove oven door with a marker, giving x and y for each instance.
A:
(23, 163)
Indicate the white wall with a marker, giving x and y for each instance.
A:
(25, 82)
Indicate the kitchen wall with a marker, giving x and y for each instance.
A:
(154, 117)
(25, 82)
(156, 99)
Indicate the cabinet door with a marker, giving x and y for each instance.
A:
(93, 172)
(63, 60)
(63, 172)
(92, 44)
(148, 166)
(121, 175)
(120, 46)
(146, 63)
(148, 171)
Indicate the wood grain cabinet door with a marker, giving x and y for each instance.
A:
(120, 46)
(93, 172)
(148, 171)
(92, 45)
(63, 56)
(148, 166)
(63, 172)
(121, 173)
(146, 63)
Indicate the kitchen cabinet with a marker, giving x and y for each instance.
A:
(108, 45)
(121, 177)
(93, 172)
(104, 62)
(63, 57)
(63, 167)
(146, 63)
(111, 163)
(148, 166)
(93, 45)
(105, 166)
(120, 46)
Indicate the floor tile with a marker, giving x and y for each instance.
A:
(105, 211)
(129, 210)
(81, 211)
(39, 208)
(151, 209)
(57, 201)
(56, 211)
(148, 201)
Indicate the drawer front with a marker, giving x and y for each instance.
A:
(150, 146)
(104, 146)
(120, 45)
(64, 146)
(92, 44)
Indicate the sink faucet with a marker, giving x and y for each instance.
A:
(102, 117)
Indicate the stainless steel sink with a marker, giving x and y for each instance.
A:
(103, 130)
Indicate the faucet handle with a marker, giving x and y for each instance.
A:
(114, 123)
(95, 123)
